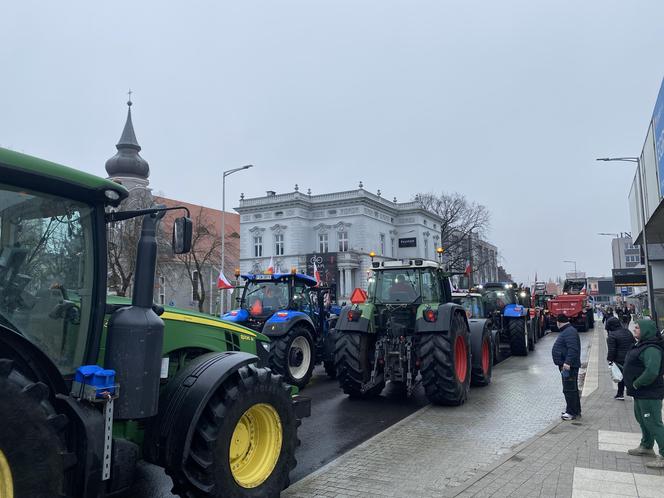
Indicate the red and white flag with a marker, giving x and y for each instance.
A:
(270, 267)
(316, 274)
(222, 281)
(469, 270)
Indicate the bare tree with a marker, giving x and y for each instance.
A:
(123, 239)
(462, 221)
(204, 256)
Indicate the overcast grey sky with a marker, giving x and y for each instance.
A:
(508, 102)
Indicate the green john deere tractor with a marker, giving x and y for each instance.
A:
(90, 385)
(406, 330)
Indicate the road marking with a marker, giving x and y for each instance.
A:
(591, 382)
(609, 483)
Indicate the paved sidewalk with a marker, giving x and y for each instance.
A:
(585, 458)
(581, 458)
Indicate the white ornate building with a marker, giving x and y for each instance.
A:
(337, 230)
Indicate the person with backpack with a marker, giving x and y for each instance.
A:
(619, 341)
(643, 376)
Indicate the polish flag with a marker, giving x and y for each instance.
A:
(222, 281)
(469, 270)
(270, 267)
(316, 274)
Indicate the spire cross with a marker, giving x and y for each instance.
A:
(129, 94)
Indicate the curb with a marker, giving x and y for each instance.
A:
(456, 491)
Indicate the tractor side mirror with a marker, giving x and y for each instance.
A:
(182, 231)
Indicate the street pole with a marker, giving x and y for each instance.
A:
(223, 226)
(642, 177)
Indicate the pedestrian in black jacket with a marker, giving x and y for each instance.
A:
(566, 354)
(619, 341)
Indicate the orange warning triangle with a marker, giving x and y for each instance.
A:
(358, 296)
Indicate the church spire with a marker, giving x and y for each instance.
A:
(128, 138)
(127, 162)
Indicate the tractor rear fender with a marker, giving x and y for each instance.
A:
(443, 321)
(360, 325)
(278, 326)
(477, 326)
(31, 361)
(168, 436)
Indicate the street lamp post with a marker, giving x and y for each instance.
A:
(223, 223)
(642, 177)
(573, 262)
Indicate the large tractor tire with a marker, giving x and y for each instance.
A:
(532, 332)
(293, 355)
(518, 333)
(482, 372)
(445, 364)
(244, 442)
(353, 359)
(33, 455)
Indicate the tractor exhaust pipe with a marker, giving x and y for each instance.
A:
(135, 335)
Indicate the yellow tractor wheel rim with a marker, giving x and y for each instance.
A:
(6, 482)
(255, 445)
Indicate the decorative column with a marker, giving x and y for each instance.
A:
(348, 281)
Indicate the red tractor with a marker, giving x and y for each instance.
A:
(574, 304)
(540, 303)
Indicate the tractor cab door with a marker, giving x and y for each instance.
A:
(47, 264)
(303, 300)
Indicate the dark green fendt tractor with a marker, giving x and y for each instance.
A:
(407, 330)
(191, 398)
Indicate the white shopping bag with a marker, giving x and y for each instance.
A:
(616, 374)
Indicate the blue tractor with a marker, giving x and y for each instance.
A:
(509, 316)
(292, 311)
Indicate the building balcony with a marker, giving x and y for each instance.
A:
(349, 259)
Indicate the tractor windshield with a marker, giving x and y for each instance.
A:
(46, 272)
(498, 299)
(263, 298)
(472, 304)
(401, 285)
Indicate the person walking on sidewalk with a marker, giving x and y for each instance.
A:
(618, 341)
(643, 371)
(566, 353)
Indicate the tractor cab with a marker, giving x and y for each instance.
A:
(270, 297)
(472, 302)
(408, 283)
(294, 312)
(499, 296)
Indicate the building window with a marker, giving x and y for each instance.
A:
(322, 243)
(162, 289)
(194, 286)
(392, 247)
(426, 247)
(382, 244)
(279, 244)
(258, 246)
(343, 241)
